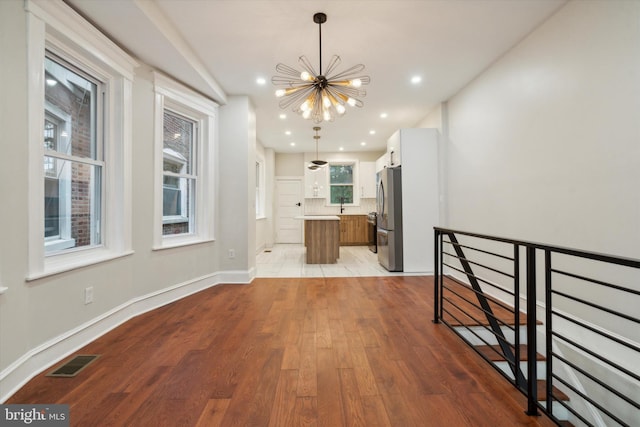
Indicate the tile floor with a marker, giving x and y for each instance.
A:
(289, 261)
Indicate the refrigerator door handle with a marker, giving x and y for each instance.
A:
(380, 200)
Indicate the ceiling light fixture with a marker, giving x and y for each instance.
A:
(320, 96)
(316, 164)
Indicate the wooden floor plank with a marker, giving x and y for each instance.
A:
(213, 413)
(325, 352)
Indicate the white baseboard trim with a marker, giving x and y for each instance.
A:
(48, 353)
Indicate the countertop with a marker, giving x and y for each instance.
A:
(319, 217)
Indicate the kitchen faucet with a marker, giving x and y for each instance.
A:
(342, 208)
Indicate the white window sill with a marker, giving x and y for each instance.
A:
(58, 245)
(53, 267)
(261, 217)
(180, 242)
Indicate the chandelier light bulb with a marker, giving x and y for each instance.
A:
(306, 105)
(351, 102)
(326, 102)
(340, 109)
(306, 114)
(280, 93)
(306, 76)
(355, 82)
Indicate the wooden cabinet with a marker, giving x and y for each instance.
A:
(321, 241)
(353, 230)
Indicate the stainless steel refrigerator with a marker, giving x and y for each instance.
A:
(389, 207)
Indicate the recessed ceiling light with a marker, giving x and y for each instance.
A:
(293, 144)
(383, 115)
(416, 79)
(341, 149)
(261, 81)
(363, 143)
(372, 132)
(287, 132)
(283, 116)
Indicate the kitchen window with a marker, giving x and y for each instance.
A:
(185, 123)
(341, 183)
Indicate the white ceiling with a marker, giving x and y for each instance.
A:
(220, 48)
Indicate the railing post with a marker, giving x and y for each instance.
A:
(520, 383)
(436, 275)
(547, 331)
(532, 374)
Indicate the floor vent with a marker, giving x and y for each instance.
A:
(73, 366)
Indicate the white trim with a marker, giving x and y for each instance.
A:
(64, 22)
(174, 96)
(45, 355)
(80, 261)
(53, 26)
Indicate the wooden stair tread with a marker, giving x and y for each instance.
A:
(465, 291)
(494, 352)
(557, 394)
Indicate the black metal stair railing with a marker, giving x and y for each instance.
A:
(579, 323)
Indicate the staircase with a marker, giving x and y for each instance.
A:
(468, 318)
(588, 345)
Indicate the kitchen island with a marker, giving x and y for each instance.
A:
(321, 238)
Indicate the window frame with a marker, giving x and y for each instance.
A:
(260, 188)
(187, 192)
(172, 96)
(55, 28)
(64, 241)
(356, 194)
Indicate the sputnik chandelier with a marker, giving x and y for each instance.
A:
(320, 96)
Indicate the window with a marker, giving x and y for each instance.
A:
(341, 183)
(73, 163)
(184, 160)
(260, 189)
(179, 178)
(79, 113)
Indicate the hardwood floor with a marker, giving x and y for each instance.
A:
(354, 351)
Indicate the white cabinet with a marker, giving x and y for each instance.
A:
(417, 151)
(315, 182)
(382, 162)
(367, 180)
(394, 147)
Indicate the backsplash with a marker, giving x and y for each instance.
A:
(317, 207)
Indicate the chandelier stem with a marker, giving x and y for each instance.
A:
(320, 44)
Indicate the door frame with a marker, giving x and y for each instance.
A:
(276, 224)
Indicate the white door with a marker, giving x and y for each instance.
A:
(289, 205)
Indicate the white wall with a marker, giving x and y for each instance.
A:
(545, 145)
(264, 226)
(289, 164)
(236, 227)
(43, 320)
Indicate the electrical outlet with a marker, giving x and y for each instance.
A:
(232, 253)
(88, 295)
